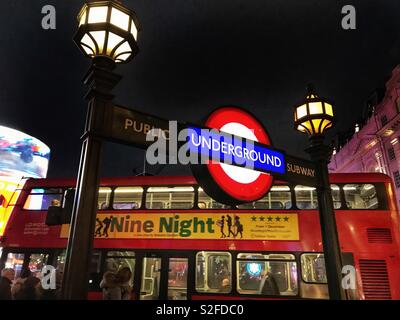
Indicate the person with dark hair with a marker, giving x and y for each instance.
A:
(29, 289)
(124, 276)
(269, 285)
(7, 276)
(116, 286)
(18, 284)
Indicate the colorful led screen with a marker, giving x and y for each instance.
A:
(22, 155)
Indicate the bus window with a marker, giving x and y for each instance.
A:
(15, 261)
(103, 201)
(127, 198)
(177, 278)
(213, 272)
(273, 274)
(170, 198)
(42, 199)
(206, 202)
(278, 198)
(36, 263)
(313, 268)
(335, 190)
(116, 260)
(306, 197)
(360, 196)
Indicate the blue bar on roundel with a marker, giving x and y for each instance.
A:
(229, 149)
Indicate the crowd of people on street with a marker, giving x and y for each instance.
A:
(115, 286)
(26, 287)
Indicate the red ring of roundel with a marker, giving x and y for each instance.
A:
(242, 192)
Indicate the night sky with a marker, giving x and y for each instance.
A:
(195, 56)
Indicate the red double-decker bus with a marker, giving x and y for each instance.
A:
(181, 244)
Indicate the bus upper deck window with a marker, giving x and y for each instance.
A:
(335, 190)
(170, 198)
(360, 196)
(127, 198)
(313, 268)
(206, 202)
(42, 199)
(306, 197)
(103, 201)
(213, 272)
(279, 198)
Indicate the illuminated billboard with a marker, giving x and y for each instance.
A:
(22, 154)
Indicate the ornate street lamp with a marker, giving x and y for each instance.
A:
(107, 34)
(108, 29)
(314, 116)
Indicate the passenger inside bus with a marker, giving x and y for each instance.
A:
(269, 285)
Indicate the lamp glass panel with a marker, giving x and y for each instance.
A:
(302, 129)
(113, 41)
(316, 108)
(308, 125)
(88, 51)
(124, 56)
(316, 123)
(134, 30)
(99, 37)
(301, 111)
(88, 42)
(119, 19)
(125, 47)
(83, 18)
(328, 125)
(328, 109)
(98, 14)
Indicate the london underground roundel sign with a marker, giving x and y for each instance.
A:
(228, 183)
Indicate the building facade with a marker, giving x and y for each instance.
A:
(374, 143)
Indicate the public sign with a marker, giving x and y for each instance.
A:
(232, 184)
(241, 226)
(131, 127)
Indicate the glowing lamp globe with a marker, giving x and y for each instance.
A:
(314, 115)
(108, 29)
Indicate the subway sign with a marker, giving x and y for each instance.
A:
(242, 160)
(224, 148)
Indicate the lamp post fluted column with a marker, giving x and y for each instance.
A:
(320, 154)
(101, 80)
(107, 34)
(314, 116)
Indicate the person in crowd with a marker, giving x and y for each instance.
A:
(6, 279)
(116, 286)
(269, 286)
(19, 282)
(55, 203)
(29, 289)
(225, 285)
(51, 294)
(124, 276)
(110, 286)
